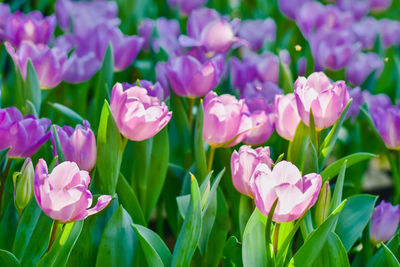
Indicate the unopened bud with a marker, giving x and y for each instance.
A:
(23, 185)
(323, 204)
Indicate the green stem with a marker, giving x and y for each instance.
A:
(3, 181)
(210, 158)
(53, 234)
(393, 160)
(275, 238)
(190, 111)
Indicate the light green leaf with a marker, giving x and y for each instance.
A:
(232, 253)
(67, 112)
(297, 147)
(198, 147)
(333, 254)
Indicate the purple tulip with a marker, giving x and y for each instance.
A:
(154, 90)
(358, 8)
(284, 182)
(389, 31)
(266, 90)
(226, 120)
(207, 29)
(366, 31)
(5, 14)
(32, 27)
(63, 194)
(380, 5)
(362, 66)
(145, 30)
(138, 115)
(386, 118)
(287, 116)
(301, 66)
(78, 145)
(243, 164)
(48, 62)
(327, 100)
(161, 77)
(168, 32)
(358, 99)
(263, 121)
(284, 57)
(186, 6)
(24, 134)
(191, 78)
(256, 32)
(290, 7)
(264, 67)
(334, 49)
(384, 222)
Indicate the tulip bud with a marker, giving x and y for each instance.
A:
(23, 185)
(323, 204)
(384, 222)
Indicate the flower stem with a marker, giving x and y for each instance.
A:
(393, 160)
(275, 238)
(190, 111)
(210, 158)
(3, 181)
(53, 234)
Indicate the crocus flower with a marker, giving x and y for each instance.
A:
(186, 6)
(380, 5)
(243, 164)
(366, 31)
(138, 115)
(287, 116)
(362, 66)
(256, 32)
(226, 120)
(191, 78)
(263, 121)
(24, 134)
(389, 31)
(31, 27)
(290, 7)
(386, 119)
(207, 29)
(78, 145)
(327, 100)
(48, 62)
(145, 30)
(384, 222)
(295, 193)
(63, 194)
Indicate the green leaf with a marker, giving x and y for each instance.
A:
(32, 237)
(198, 147)
(337, 194)
(314, 243)
(286, 78)
(7, 259)
(390, 257)
(60, 153)
(191, 229)
(149, 169)
(380, 258)
(232, 253)
(67, 112)
(119, 244)
(333, 169)
(330, 140)
(333, 254)
(128, 199)
(110, 147)
(31, 87)
(246, 207)
(61, 249)
(155, 250)
(3, 153)
(30, 109)
(297, 147)
(254, 249)
(354, 217)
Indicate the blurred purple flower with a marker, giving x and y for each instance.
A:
(263, 121)
(384, 222)
(290, 7)
(48, 62)
(168, 32)
(256, 32)
(31, 27)
(154, 90)
(226, 120)
(5, 13)
(389, 31)
(186, 6)
(362, 65)
(266, 90)
(366, 31)
(380, 5)
(78, 145)
(161, 77)
(24, 134)
(145, 30)
(358, 99)
(359, 8)
(301, 66)
(191, 78)
(284, 57)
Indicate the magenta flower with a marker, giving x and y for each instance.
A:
(384, 222)
(362, 66)
(5, 13)
(263, 121)
(256, 32)
(243, 165)
(78, 145)
(295, 194)
(32, 27)
(138, 115)
(327, 100)
(186, 6)
(48, 62)
(63, 194)
(287, 115)
(380, 5)
(155, 90)
(24, 134)
(191, 78)
(226, 120)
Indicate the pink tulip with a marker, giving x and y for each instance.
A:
(138, 115)
(226, 120)
(295, 194)
(263, 121)
(63, 194)
(243, 165)
(287, 116)
(327, 100)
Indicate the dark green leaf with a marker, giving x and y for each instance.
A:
(379, 259)
(297, 147)
(390, 257)
(232, 253)
(31, 88)
(60, 153)
(333, 254)
(337, 194)
(69, 113)
(7, 259)
(199, 152)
